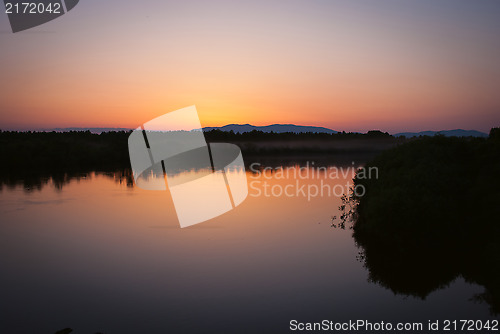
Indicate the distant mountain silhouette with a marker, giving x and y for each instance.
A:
(446, 133)
(277, 128)
(282, 128)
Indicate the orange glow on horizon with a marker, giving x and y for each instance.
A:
(254, 64)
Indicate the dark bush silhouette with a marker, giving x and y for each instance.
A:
(432, 215)
(64, 331)
(69, 330)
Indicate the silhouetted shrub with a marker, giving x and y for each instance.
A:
(432, 215)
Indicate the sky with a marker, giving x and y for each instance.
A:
(392, 65)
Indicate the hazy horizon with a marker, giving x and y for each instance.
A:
(264, 125)
(348, 65)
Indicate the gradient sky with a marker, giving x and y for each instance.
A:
(348, 65)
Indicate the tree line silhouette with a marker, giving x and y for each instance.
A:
(35, 152)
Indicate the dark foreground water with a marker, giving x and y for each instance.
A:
(99, 256)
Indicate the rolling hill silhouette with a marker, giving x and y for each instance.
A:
(277, 128)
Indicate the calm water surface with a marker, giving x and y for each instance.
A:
(98, 255)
